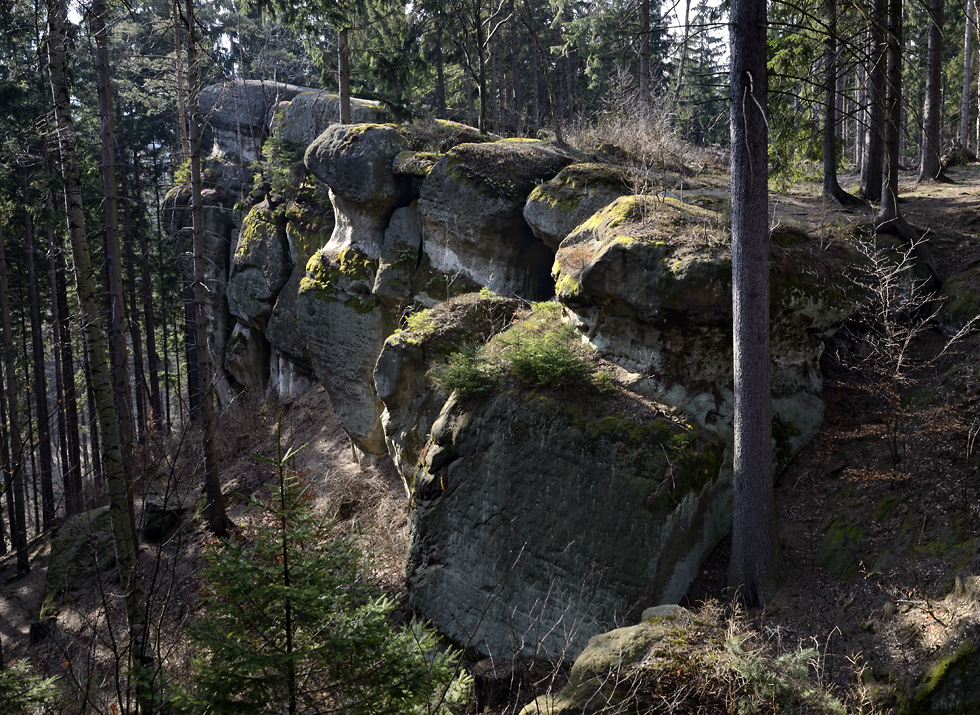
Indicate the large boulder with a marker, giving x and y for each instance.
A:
(260, 266)
(555, 208)
(543, 516)
(402, 375)
(355, 161)
(648, 281)
(239, 112)
(596, 678)
(472, 207)
(307, 114)
(82, 549)
(344, 328)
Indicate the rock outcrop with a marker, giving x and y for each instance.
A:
(397, 265)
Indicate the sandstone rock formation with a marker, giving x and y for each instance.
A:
(543, 511)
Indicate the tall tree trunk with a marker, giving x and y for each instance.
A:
(831, 188)
(185, 146)
(140, 390)
(343, 72)
(72, 468)
(40, 387)
(218, 521)
(873, 166)
(6, 460)
(967, 71)
(682, 60)
(119, 358)
(146, 286)
(527, 19)
(18, 526)
(644, 21)
(481, 51)
(515, 71)
(889, 211)
(440, 76)
(113, 455)
(930, 168)
(756, 564)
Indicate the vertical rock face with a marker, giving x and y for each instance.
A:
(260, 266)
(344, 327)
(472, 207)
(542, 515)
(221, 222)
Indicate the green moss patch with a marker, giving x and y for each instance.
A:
(840, 551)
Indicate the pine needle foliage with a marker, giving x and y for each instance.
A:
(21, 692)
(293, 624)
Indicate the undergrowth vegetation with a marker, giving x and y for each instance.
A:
(715, 662)
(293, 624)
(538, 352)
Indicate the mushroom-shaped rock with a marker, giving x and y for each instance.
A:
(260, 266)
(472, 207)
(355, 161)
(556, 207)
(543, 516)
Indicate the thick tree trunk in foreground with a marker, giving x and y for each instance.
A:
(967, 71)
(889, 210)
(874, 156)
(756, 564)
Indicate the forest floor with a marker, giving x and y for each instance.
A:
(881, 555)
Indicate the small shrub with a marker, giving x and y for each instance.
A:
(21, 692)
(549, 361)
(467, 373)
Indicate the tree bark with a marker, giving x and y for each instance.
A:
(967, 71)
(146, 286)
(72, 469)
(15, 466)
(218, 521)
(889, 210)
(114, 467)
(831, 188)
(343, 72)
(644, 21)
(930, 168)
(756, 564)
(873, 165)
(40, 387)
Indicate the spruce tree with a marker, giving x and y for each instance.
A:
(293, 624)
